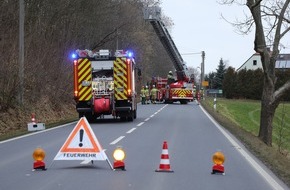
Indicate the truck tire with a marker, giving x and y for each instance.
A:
(130, 116)
(90, 117)
(135, 114)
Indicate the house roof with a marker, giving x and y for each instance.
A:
(255, 54)
(283, 61)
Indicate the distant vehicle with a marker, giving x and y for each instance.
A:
(178, 91)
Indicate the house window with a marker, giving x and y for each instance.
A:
(254, 62)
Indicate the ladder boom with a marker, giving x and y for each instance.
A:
(153, 15)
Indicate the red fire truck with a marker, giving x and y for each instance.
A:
(182, 89)
(104, 84)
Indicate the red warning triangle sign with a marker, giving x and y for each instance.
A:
(77, 137)
(81, 144)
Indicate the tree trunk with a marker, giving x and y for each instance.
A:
(268, 108)
(270, 97)
(265, 133)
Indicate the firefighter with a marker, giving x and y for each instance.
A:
(198, 97)
(153, 93)
(147, 95)
(142, 94)
(170, 78)
(194, 92)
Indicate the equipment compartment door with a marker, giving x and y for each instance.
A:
(121, 79)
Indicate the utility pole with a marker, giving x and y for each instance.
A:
(21, 52)
(201, 65)
(202, 68)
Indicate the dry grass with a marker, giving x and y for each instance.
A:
(13, 122)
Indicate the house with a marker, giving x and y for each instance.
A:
(254, 62)
(283, 61)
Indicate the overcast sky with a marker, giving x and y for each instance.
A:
(198, 26)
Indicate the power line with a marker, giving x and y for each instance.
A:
(192, 53)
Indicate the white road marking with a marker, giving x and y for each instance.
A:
(152, 115)
(117, 140)
(35, 133)
(131, 130)
(147, 119)
(140, 124)
(253, 163)
(86, 162)
(163, 107)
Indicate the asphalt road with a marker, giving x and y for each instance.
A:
(192, 139)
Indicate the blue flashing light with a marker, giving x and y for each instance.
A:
(74, 55)
(130, 54)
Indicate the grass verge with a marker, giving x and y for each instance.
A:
(235, 116)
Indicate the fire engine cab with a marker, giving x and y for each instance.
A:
(104, 84)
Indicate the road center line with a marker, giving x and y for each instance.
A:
(131, 130)
(152, 115)
(252, 162)
(147, 119)
(140, 124)
(117, 140)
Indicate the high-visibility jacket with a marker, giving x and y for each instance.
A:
(147, 92)
(154, 93)
(170, 79)
(142, 92)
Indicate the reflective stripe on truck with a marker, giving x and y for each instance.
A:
(84, 79)
(121, 79)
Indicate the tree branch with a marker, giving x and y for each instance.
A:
(252, 3)
(280, 92)
(106, 38)
(285, 32)
(279, 24)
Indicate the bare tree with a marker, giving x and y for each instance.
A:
(271, 20)
(53, 30)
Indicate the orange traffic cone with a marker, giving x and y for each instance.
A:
(33, 120)
(164, 162)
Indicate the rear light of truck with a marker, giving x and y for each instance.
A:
(76, 93)
(129, 92)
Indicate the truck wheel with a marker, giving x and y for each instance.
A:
(90, 118)
(135, 114)
(130, 116)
